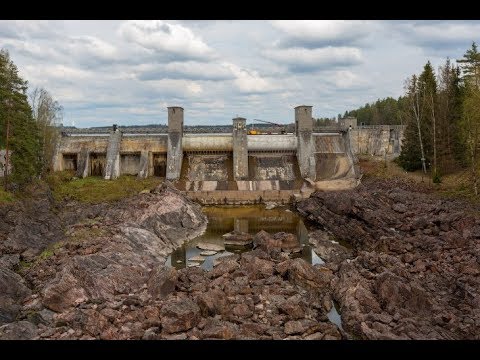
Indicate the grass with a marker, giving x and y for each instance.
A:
(79, 235)
(44, 255)
(94, 190)
(5, 196)
(455, 185)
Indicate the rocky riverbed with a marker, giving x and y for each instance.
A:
(410, 271)
(414, 269)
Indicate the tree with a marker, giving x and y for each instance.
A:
(16, 114)
(470, 127)
(448, 113)
(470, 120)
(428, 92)
(47, 112)
(412, 156)
(470, 65)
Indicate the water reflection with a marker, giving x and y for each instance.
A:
(249, 219)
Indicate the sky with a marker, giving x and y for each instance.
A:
(128, 72)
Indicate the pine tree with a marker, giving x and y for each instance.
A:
(16, 113)
(470, 64)
(412, 156)
(448, 117)
(469, 124)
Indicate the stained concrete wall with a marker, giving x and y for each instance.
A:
(207, 167)
(83, 163)
(286, 142)
(333, 158)
(210, 142)
(273, 167)
(174, 148)
(70, 162)
(112, 167)
(130, 164)
(240, 149)
(156, 144)
(305, 146)
(377, 140)
(78, 145)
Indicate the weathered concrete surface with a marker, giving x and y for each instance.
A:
(377, 140)
(274, 167)
(198, 167)
(305, 144)
(174, 146)
(240, 149)
(112, 165)
(414, 268)
(334, 159)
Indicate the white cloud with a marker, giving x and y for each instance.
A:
(345, 79)
(440, 34)
(129, 72)
(316, 33)
(163, 37)
(57, 72)
(192, 70)
(89, 47)
(301, 59)
(249, 81)
(36, 29)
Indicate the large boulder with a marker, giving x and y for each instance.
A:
(12, 293)
(179, 315)
(162, 282)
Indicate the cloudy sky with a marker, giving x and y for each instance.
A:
(128, 72)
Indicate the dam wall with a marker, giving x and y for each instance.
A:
(377, 140)
(234, 167)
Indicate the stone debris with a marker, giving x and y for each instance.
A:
(208, 253)
(210, 246)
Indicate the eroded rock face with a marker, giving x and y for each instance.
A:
(104, 268)
(20, 330)
(413, 270)
(12, 294)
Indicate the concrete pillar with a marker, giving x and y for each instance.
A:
(83, 163)
(240, 149)
(305, 145)
(144, 165)
(174, 149)
(112, 167)
(57, 160)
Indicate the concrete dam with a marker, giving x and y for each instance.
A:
(217, 168)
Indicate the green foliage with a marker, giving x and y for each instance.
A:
(470, 64)
(16, 113)
(47, 113)
(387, 111)
(95, 190)
(5, 196)
(324, 122)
